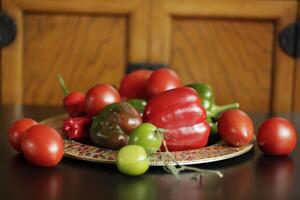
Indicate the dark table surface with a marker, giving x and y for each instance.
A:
(250, 176)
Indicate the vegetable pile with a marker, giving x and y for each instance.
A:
(151, 111)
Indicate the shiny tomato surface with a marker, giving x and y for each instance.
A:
(235, 127)
(277, 136)
(100, 96)
(42, 146)
(133, 85)
(17, 130)
(162, 80)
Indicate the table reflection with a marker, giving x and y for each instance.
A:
(275, 174)
(47, 182)
(252, 174)
(137, 188)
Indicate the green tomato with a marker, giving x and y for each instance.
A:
(132, 160)
(148, 136)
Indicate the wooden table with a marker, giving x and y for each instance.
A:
(250, 176)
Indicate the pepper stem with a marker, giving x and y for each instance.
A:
(176, 169)
(63, 85)
(216, 110)
(218, 173)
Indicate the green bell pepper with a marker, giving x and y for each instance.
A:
(207, 97)
(138, 104)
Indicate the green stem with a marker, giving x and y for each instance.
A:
(177, 168)
(218, 173)
(63, 85)
(216, 110)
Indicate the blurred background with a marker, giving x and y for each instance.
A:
(246, 49)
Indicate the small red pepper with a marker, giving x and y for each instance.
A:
(73, 102)
(180, 112)
(77, 128)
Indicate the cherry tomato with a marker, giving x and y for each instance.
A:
(133, 85)
(132, 160)
(42, 146)
(277, 136)
(17, 130)
(235, 127)
(162, 80)
(100, 96)
(148, 136)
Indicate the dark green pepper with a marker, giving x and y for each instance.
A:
(207, 97)
(213, 126)
(111, 127)
(213, 136)
(205, 93)
(138, 104)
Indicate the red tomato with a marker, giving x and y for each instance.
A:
(17, 130)
(42, 146)
(133, 85)
(162, 80)
(235, 127)
(277, 136)
(100, 96)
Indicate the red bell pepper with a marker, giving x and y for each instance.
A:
(180, 112)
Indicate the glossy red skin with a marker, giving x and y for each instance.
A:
(74, 104)
(100, 96)
(162, 80)
(17, 130)
(235, 127)
(42, 146)
(180, 112)
(76, 128)
(277, 136)
(133, 85)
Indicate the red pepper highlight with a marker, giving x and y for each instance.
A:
(180, 112)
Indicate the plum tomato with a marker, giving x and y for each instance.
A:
(235, 127)
(148, 136)
(132, 160)
(133, 85)
(277, 136)
(17, 130)
(162, 80)
(42, 146)
(100, 96)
